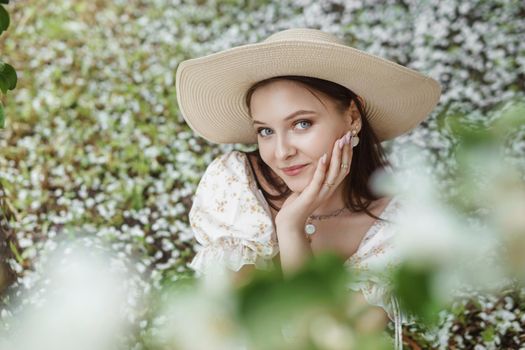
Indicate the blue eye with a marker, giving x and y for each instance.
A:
(304, 121)
(262, 129)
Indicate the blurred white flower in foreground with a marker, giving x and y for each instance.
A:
(201, 317)
(432, 234)
(81, 304)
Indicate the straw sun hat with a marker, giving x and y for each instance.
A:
(211, 89)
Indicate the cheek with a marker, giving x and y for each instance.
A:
(322, 138)
(318, 145)
(267, 156)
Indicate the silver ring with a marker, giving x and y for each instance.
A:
(344, 166)
(328, 184)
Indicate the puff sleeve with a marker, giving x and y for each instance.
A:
(230, 218)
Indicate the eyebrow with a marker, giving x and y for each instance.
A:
(294, 114)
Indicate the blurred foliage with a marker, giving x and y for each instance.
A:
(269, 302)
(415, 291)
(8, 80)
(312, 309)
(497, 138)
(488, 190)
(8, 76)
(7, 241)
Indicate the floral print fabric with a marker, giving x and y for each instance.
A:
(229, 220)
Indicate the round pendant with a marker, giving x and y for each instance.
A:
(309, 229)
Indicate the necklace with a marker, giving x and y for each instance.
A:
(310, 228)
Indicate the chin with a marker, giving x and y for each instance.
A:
(297, 185)
(296, 189)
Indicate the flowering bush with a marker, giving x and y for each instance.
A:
(96, 144)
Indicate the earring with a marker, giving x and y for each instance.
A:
(355, 138)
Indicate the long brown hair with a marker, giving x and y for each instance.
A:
(368, 155)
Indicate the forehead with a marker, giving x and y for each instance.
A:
(281, 97)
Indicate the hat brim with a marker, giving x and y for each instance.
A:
(211, 89)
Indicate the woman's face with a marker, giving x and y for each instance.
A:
(296, 125)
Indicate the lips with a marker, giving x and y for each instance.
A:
(294, 170)
(293, 167)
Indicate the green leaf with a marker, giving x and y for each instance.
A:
(14, 250)
(4, 2)
(512, 119)
(413, 286)
(4, 19)
(3, 84)
(488, 334)
(2, 117)
(137, 201)
(8, 73)
(468, 133)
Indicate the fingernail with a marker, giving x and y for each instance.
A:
(347, 137)
(323, 159)
(341, 142)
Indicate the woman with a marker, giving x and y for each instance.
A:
(318, 110)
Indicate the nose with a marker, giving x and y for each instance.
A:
(284, 148)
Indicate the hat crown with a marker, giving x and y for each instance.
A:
(304, 34)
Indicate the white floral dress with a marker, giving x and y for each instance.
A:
(232, 223)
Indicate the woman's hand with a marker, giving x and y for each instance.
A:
(299, 206)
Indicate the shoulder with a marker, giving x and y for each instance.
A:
(389, 207)
(385, 208)
(227, 170)
(232, 162)
(230, 158)
(393, 209)
(227, 188)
